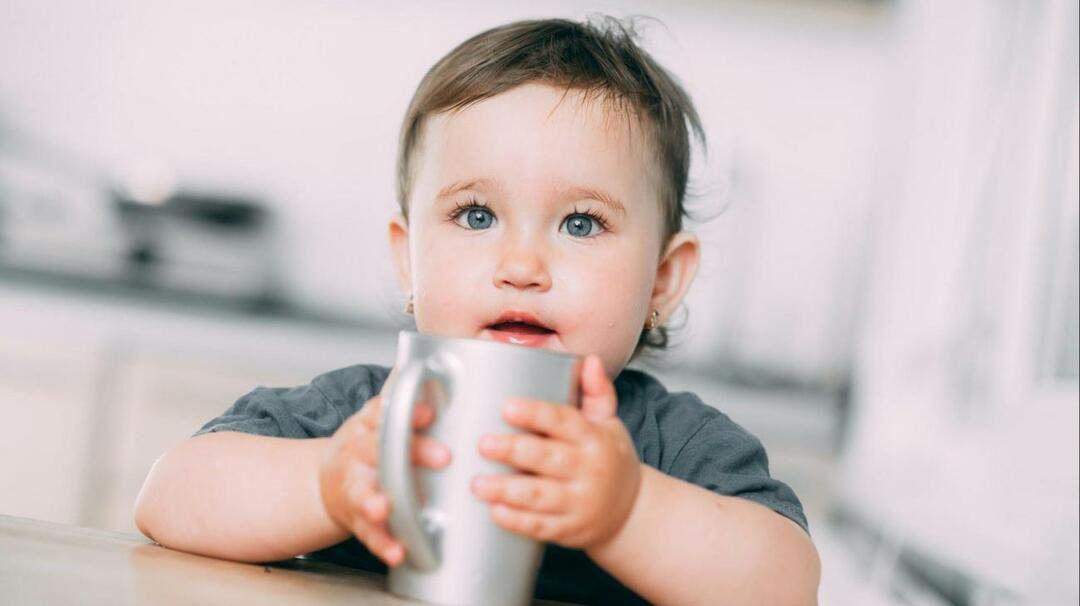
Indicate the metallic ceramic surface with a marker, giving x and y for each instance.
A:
(456, 554)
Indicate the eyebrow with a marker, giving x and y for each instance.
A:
(454, 188)
(576, 191)
(600, 196)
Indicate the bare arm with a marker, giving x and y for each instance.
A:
(238, 497)
(682, 544)
(259, 499)
(670, 541)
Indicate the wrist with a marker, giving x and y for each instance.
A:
(610, 543)
(327, 489)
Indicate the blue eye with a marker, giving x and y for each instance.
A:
(475, 217)
(582, 226)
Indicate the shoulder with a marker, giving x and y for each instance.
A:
(687, 439)
(348, 388)
(662, 422)
(678, 430)
(315, 409)
(726, 459)
(684, 412)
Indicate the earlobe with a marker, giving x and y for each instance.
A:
(675, 273)
(399, 248)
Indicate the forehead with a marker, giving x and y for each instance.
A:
(540, 137)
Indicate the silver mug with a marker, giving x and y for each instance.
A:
(455, 553)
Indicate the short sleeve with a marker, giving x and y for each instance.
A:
(315, 410)
(723, 457)
(299, 412)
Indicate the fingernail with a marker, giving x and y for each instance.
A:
(393, 553)
(513, 408)
(481, 484)
(438, 452)
(372, 504)
(488, 443)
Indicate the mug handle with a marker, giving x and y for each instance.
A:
(395, 465)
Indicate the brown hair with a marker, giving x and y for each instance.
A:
(601, 58)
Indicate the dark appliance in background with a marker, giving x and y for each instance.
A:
(65, 224)
(199, 242)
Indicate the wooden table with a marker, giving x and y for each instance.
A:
(46, 563)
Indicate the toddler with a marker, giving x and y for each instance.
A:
(541, 176)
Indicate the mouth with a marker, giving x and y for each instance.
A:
(520, 328)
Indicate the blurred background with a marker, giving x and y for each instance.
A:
(194, 199)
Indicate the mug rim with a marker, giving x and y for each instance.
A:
(472, 342)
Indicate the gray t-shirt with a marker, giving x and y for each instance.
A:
(673, 432)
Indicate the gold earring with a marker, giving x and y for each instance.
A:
(409, 306)
(654, 318)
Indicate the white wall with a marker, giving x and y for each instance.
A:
(301, 102)
(963, 445)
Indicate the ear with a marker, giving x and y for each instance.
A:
(399, 247)
(676, 271)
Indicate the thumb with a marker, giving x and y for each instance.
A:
(598, 399)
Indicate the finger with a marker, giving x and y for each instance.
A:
(598, 398)
(375, 508)
(527, 452)
(539, 526)
(379, 542)
(361, 483)
(429, 452)
(555, 420)
(423, 416)
(539, 495)
(369, 412)
(371, 509)
(426, 451)
(365, 500)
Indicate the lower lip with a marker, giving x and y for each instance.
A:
(521, 338)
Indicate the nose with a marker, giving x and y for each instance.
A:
(523, 266)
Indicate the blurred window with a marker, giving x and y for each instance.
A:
(1066, 360)
(1061, 353)
(1060, 360)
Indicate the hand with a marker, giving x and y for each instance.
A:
(584, 471)
(348, 477)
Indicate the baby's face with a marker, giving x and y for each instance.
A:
(534, 219)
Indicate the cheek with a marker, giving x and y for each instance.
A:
(446, 281)
(610, 297)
